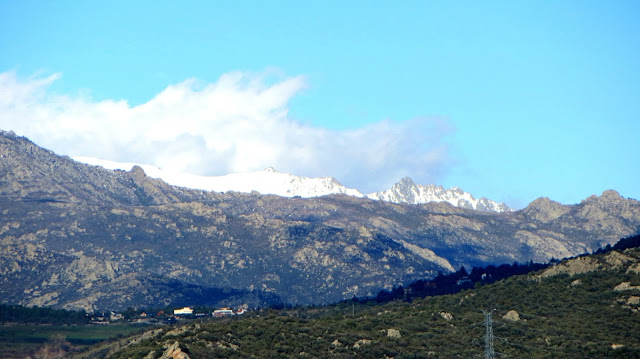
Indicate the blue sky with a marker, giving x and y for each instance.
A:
(507, 100)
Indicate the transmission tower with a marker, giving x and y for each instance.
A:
(488, 337)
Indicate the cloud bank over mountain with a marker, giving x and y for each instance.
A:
(239, 123)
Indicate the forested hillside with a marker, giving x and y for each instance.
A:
(585, 307)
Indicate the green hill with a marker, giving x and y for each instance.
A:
(585, 307)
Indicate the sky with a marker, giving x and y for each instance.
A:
(507, 100)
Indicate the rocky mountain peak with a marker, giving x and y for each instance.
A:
(334, 181)
(597, 208)
(606, 196)
(137, 172)
(405, 183)
(34, 172)
(610, 197)
(545, 210)
(9, 133)
(610, 193)
(407, 191)
(543, 203)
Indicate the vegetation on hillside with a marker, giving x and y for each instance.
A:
(461, 279)
(41, 315)
(39, 341)
(592, 314)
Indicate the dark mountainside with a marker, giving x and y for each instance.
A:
(82, 237)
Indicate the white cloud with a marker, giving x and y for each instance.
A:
(239, 123)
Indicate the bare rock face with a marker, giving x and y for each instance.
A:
(626, 286)
(174, 352)
(155, 191)
(573, 267)
(545, 210)
(393, 333)
(610, 261)
(511, 316)
(361, 342)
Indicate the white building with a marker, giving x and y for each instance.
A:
(183, 311)
(222, 312)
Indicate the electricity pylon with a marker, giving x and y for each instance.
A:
(489, 353)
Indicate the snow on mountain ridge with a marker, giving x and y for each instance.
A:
(270, 181)
(406, 191)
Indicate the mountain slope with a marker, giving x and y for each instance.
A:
(70, 233)
(586, 307)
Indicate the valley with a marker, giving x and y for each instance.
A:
(566, 311)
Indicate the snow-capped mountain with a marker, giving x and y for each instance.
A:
(406, 191)
(268, 181)
(271, 181)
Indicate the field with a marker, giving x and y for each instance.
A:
(22, 340)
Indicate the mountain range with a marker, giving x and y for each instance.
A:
(277, 183)
(78, 236)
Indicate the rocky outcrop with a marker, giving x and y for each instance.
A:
(361, 342)
(393, 333)
(545, 210)
(174, 352)
(611, 261)
(80, 237)
(626, 286)
(511, 316)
